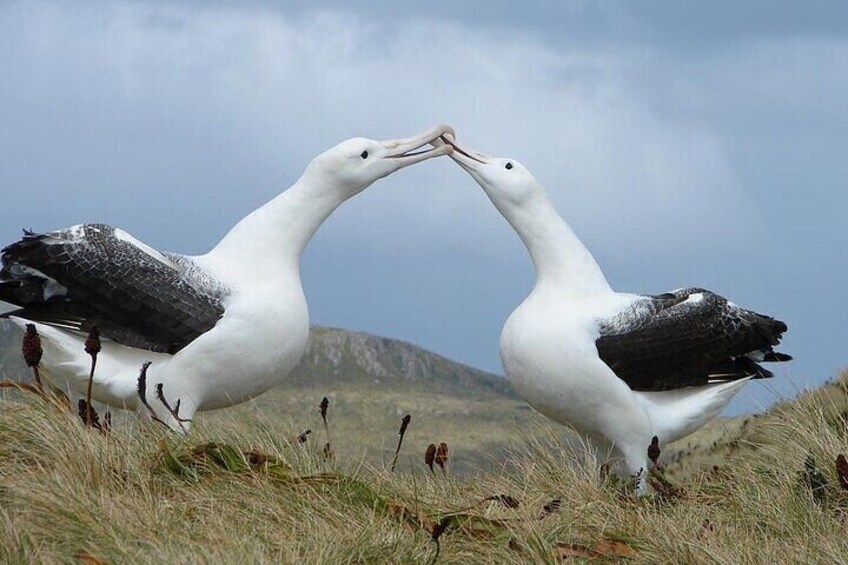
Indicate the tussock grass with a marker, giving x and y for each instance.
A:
(240, 491)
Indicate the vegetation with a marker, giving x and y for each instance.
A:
(238, 489)
(296, 482)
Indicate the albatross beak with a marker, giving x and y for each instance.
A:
(403, 151)
(466, 157)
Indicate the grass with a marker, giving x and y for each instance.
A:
(245, 489)
(479, 427)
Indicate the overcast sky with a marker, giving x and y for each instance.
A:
(687, 144)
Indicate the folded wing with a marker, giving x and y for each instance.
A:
(96, 275)
(689, 337)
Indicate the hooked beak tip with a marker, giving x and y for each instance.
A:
(462, 155)
(446, 130)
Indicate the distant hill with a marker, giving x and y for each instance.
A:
(339, 356)
(336, 355)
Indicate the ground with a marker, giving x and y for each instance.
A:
(242, 487)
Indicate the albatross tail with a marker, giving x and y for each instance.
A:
(678, 413)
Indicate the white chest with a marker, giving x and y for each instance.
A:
(255, 346)
(549, 356)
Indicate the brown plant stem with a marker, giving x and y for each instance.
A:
(437, 532)
(142, 394)
(322, 408)
(89, 415)
(441, 458)
(404, 423)
(92, 347)
(37, 376)
(175, 411)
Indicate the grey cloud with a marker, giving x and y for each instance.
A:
(600, 23)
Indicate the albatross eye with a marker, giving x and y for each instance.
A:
(364, 154)
(508, 166)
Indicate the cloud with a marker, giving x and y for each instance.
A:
(685, 145)
(144, 113)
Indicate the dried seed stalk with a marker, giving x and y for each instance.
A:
(842, 471)
(175, 411)
(142, 393)
(404, 423)
(322, 408)
(441, 458)
(437, 532)
(551, 507)
(654, 450)
(430, 456)
(92, 347)
(88, 415)
(504, 500)
(32, 351)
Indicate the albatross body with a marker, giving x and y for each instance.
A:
(620, 368)
(218, 328)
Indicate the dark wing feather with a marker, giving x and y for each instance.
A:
(89, 276)
(689, 337)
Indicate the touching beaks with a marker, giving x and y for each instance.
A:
(463, 155)
(403, 151)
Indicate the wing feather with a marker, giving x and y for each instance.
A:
(688, 337)
(93, 274)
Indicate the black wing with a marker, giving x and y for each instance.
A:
(688, 337)
(94, 275)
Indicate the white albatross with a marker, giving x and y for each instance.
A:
(218, 328)
(619, 368)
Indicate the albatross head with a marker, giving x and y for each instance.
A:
(353, 165)
(506, 181)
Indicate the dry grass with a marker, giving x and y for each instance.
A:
(237, 491)
(478, 426)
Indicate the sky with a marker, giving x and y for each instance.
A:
(688, 144)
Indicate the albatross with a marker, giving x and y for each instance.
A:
(622, 369)
(217, 329)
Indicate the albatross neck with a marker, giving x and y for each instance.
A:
(561, 260)
(272, 237)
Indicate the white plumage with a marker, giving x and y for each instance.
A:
(218, 328)
(620, 368)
